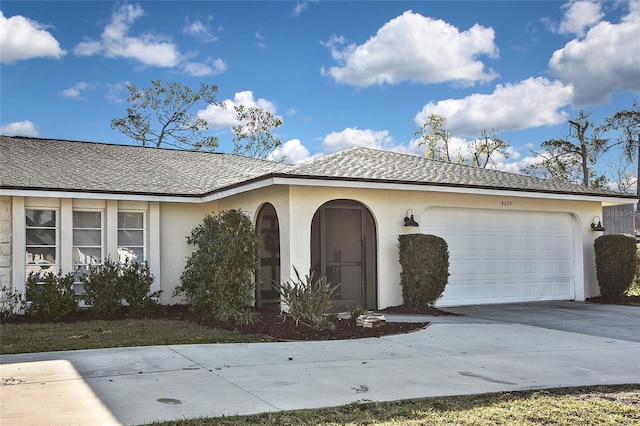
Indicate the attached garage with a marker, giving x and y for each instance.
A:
(500, 256)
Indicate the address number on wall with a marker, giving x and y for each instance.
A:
(507, 203)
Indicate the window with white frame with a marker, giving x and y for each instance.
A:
(41, 247)
(131, 237)
(87, 244)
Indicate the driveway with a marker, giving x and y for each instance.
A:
(490, 349)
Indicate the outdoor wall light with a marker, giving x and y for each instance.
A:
(409, 220)
(598, 227)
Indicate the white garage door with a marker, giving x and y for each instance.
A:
(498, 256)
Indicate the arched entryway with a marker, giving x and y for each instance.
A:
(343, 248)
(269, 230)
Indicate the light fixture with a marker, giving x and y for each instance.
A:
(598, 227)
(409, 220)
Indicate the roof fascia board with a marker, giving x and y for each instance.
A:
(451, 189)
(44, 193)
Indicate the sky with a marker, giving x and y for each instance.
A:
(338, 73)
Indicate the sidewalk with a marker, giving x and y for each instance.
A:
(452, 356)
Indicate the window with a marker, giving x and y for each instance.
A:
(131, 237)
(87, 243)
(41, 242)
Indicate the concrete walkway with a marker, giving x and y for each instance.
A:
(491, 348)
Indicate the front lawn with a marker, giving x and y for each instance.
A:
(611, 405)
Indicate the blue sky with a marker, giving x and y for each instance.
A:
(338, 73)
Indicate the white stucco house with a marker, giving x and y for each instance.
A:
(512, 238)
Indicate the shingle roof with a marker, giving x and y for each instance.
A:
(49, 164)
(96, 167)
(385, 166)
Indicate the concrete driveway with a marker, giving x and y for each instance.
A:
(490, 349)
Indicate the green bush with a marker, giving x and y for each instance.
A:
(12, 303)
(309, 300)
(52, 298)
(101, 290)
(219, 276)
(425, 268)
(615, 263)
(634, 290)
(111, 283)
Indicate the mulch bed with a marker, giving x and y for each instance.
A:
(625, 300)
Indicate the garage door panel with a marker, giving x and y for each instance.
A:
(501, 256)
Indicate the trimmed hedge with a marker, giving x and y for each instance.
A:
(615, 263)
(425, 268)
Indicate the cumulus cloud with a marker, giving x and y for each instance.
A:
(20, 128)
(201, 31)
(75, 91)
(412, 47)
(301, 6)
(21, 38)
(222, 116)
(578, 16)
(201, 69)
(605, 60)
(530, 103)
(350, 137)
(292, 151)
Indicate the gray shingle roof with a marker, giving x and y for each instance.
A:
(95, 167)
(48, 164)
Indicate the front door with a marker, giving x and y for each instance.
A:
(342, 247)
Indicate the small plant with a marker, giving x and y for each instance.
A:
(52, 298)
(101, 288)
(425, 268)
(134, 286)
(308, 300)
(12, 303)
(615, 263)
(356, 311)
(111, 283)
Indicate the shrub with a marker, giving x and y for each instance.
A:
(52, 298)
(109, 284)
(219, 275)
(309, 300)
(11, 303)
(134, 286)
(634, 290)
(101, 288)
(425, 268)
(615, 263)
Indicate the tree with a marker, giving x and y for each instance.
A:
(564, 160)
(436, 140)
(481, 151)
(628, 123)
(255, 129)
(485, 148)
(159, 115)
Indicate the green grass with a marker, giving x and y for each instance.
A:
(48, 337)
(612, 405)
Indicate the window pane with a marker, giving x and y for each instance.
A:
(90, 256)
(130, 238)
(130, 220)
(87, 220)
(41, 237)
(41, 217)
(131, 254)
(82, 237)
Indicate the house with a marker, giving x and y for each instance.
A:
(511, 238)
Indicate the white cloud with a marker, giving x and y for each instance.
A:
(415, 48)
(115, 41)
(219, 116)
(200, 30)
(350, 137)
(579, 16)
(20, 128)
(75, 91)
(530, 103)
(301, 6)
(200, 69)
(293, 152)
(22, 38)
(605, 60)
